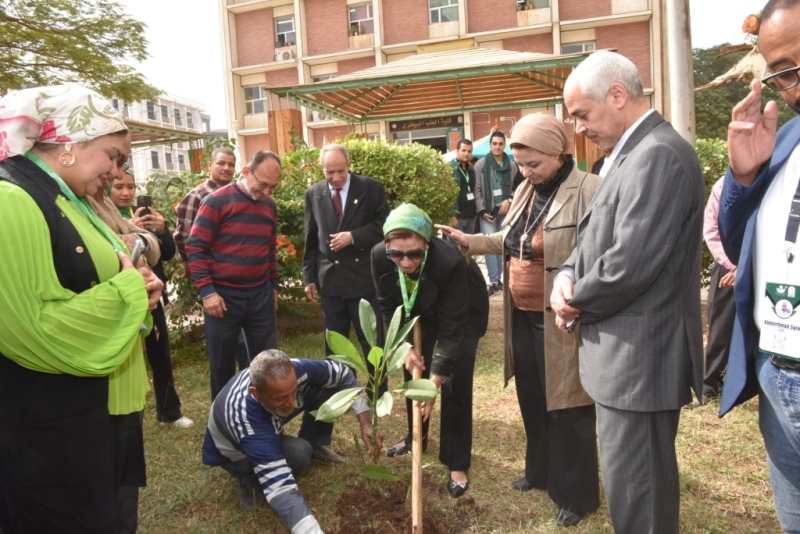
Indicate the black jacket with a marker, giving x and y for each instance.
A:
(451, 303)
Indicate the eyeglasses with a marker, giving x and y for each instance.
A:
(398, 255)
(781, 80)
(263, 185)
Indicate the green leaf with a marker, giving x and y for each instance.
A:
(378, 472)
(394, 326)
(343, 347)
(369, 323)
(403, 334)
(337, 404)
(375, 357)
(418, 390)
(399, 357)
(384, 405)
(358, 365)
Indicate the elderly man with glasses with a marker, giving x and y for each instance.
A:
(758, 220)
(231, 251)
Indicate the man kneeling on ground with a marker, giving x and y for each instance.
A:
(245, 430)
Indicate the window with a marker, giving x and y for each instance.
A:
(115, 103)
(154, 159)
(181, 163)
(151, 111)
(255, 99)
(523, 5)
(168, 160)
(189, 119)
(177, 116)
(323, 77)
(443, 10)
(577, 48)
(164, 113)
(361, 20)
(284, 32)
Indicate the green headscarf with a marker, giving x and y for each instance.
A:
(409, 217)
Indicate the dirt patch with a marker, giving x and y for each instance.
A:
(385, 508)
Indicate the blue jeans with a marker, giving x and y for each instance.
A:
(494, 263)
(779, 420)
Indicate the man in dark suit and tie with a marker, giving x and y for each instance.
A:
(633, 282)
(758, 217)
(344, 218)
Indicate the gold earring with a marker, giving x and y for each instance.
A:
(67, 158)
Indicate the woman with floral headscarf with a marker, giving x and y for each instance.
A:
(72, 374)
(429, 279)
(539, 233)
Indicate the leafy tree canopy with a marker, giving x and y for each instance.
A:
(46, 42)
(713, 106)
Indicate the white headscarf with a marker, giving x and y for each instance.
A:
(68, 113)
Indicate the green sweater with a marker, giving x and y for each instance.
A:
(50, 329)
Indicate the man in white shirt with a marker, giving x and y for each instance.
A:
(759, 218)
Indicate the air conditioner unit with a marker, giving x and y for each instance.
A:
(284, 55)
(319, 116)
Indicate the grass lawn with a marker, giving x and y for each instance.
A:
(724, 479)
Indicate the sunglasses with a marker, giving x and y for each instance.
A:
(398, 255)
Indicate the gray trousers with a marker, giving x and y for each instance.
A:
(640, 469)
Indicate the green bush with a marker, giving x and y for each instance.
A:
(713, 155)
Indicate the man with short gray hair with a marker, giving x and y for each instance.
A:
(245, 431)
(633, 282)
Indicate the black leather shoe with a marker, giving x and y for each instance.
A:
(522, 485)
(457, 489)
(566, 518)
(398, 450)
(325, 456)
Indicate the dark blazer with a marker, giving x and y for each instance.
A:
(738, 210)
(452, 300)
(346, 273)
(637, 269)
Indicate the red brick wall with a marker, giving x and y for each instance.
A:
(255, 37)
(326, 22)
(630, 40)
(408, 21)
(583, 9)
(353, 65)
(281, 78)
(329, 135)
(254, 143)
(540, 44)
(483, 121)
(488, 15)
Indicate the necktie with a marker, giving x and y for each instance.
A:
(337, 203)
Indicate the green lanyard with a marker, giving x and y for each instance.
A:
(408, 301)
(80, 203)
(466, 178)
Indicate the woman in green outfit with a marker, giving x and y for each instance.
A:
(72, 374)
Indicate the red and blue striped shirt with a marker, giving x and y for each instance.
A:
(233, 242)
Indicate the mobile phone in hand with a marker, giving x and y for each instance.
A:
(144, 201)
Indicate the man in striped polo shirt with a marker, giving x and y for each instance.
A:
(231, 253)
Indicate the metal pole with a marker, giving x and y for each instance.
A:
(681, 73)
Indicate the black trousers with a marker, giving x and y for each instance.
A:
(455, 434)
(168, 405)
(561, 455)
(721, 314)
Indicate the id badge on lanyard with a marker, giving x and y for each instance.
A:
(780, 328)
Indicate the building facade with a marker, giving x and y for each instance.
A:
(168, 116)
(276, 43)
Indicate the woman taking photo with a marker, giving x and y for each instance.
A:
(115, 207)
(539, 234)
(429, 279)
(72, 373)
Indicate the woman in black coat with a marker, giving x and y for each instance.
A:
(429, 278)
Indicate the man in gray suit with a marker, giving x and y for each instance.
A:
(633, 282)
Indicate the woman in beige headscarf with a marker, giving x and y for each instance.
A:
(539, 233)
